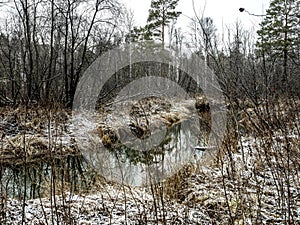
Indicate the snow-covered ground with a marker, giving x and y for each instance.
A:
(209, 195)
(258, 184)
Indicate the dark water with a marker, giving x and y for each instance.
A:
(121, 163)
(42, 178)
(134, 165)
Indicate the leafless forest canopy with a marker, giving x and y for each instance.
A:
(46, 46)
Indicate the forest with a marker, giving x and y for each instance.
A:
(151, 158)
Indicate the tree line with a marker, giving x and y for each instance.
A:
(45, 46)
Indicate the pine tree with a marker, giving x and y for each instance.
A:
(160, 15)
(279, 33)
(139, 34)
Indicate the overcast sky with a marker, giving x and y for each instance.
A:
(224, 12)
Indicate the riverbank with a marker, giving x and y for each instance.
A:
(254, 182)
(205, 195)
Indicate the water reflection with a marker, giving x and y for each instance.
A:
(138, 167)
(119, 163)
(42, 177)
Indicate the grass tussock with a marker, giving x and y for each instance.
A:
(253, 177)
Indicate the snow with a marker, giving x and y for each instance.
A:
(205, 200)
(253, 184)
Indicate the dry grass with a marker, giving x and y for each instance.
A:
(256, 175)
(254, 178)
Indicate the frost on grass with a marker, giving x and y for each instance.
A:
(248, 192)
(256, 184)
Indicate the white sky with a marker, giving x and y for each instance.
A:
(222, 11)
(225, 13)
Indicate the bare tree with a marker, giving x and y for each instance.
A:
(55, 42)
